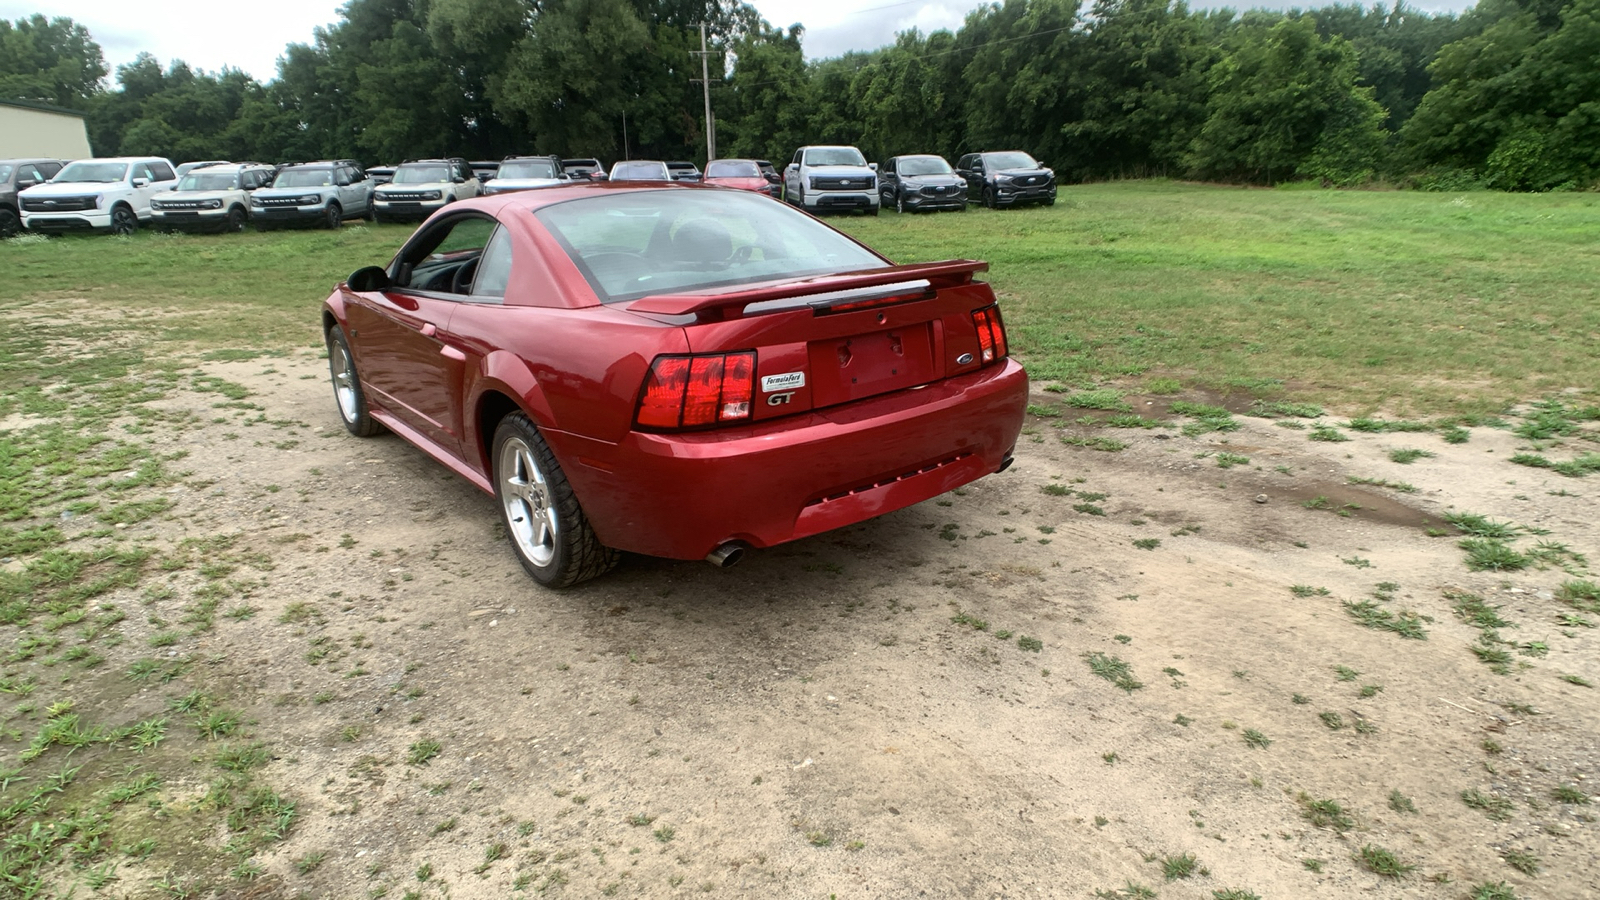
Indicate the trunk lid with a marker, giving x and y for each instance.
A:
(825, 341)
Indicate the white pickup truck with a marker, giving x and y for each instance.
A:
(97, 195)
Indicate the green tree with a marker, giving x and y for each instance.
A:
(50, 60)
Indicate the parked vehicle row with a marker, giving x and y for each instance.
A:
(119, 195)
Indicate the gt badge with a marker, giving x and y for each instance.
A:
(780, 399)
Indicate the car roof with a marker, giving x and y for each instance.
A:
(123, 159)
(532, 201)
(679, 164)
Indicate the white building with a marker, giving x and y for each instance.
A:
(30, 130)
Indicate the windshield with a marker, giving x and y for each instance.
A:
(532, 168)
(639, 171)
(634, 244)
(92, 173)
(209, 181)
(924, 165)
(1009, 161)
(304, 178)
(732, 168)
(835, 156)
(421, 174)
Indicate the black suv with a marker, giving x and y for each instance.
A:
(921, 182)
(1006, 178)
(16, 174)
(581, 169)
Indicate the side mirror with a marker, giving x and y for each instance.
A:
(872, 166)
(26, 183)
(343, 182)
(459, 180)
(368, 278)
(141, 182)
(773, 178)
(1041, 164)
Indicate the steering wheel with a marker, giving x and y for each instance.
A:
(742, 254)
(461, 281)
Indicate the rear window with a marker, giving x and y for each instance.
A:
(732, 168)
(640, 243)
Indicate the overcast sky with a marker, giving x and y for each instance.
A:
(210, 35)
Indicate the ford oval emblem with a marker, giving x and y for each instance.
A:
(964, 359)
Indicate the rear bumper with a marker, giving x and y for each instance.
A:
(680, 496)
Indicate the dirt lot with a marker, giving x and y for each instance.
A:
(909, 707)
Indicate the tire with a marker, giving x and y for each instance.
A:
(547, 527)
(235, 223)
(900, 203)
(1050, 202)
(988, 198)
(333, 216)
(123, 221)
(371, 215)
(10, 224)
(873, 211)
(348, 397)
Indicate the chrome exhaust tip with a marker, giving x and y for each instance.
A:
(1005, 464)
(726, 556)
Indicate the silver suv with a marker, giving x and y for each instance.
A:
(316, 193)
(822, 179)
(211, 197)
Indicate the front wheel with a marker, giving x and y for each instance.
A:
(333, 217)
(899, 202)
(873, 210)
(123, 221)
(547, 527)
(236, 219)
(347, 393)
(988, 197)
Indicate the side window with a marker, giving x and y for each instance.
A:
(160, 171)
(31, 173)
(49, 170)
(797, 156)
(494, 267)
(444, 258)
(142, 170)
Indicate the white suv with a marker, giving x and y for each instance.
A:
(421, 186)
(97, 195)
(211, 197)
(821, 179)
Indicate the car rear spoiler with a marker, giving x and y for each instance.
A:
(730, 304)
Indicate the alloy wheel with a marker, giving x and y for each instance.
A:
(530, 514)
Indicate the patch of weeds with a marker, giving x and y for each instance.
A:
(1284, 409)
(1176, 867)
(1113, 670)
(1490, 555)
(1580, 594)
(1163, 386)
(1229, 460)
(1131, 420)
(1317, 502)
(962, 618)
(1256, 739)
(1030, 644)
(1147, 543)
(1206, 419)
(1089, 509)
(1056, 490)
(1104, 398)
(1498, 890)
(1497, 808)
(1345, 673)
(1312, 865)
(1043, 412)
(1383, 862)
(665, 833)
(1371, 615)
(1578, 680)
(1326, 433)
(422, 752)
(1181, 719)
(1481, 526)
(1234, 894)
(1306, 590)
(1103, 444)
(1407, 457)
(1526, 863)
(1325, 813)
(1331, 719)
(1566, 793)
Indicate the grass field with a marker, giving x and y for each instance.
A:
(1416, 303)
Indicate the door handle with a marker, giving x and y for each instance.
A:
(428, 330)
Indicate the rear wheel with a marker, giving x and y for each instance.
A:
(347, 392)
(547, 527)
(333, 217)
(123, 221)
(9, 223)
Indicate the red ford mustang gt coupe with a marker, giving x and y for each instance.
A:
(673, 370)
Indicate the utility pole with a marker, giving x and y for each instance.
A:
(705, 83)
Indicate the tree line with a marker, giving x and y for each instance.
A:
(1505, 95)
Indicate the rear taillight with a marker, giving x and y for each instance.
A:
(991, 334)
(695, 391)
